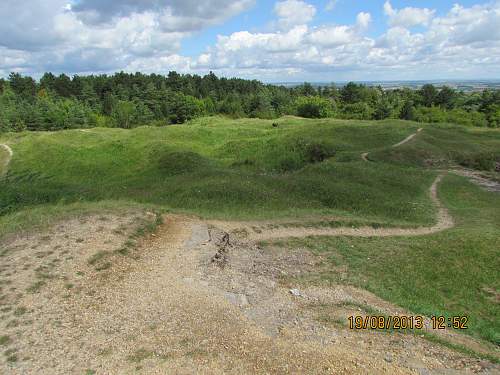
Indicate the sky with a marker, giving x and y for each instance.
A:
(273, 41)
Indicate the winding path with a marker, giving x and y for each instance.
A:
(254, 232)
(258, 231)
(10, 153)
(364, 155)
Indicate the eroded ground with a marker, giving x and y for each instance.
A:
(91, 296)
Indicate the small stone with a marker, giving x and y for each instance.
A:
(388, 358)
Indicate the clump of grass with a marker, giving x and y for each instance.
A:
(140, 355)
(147, 227)
(5, 340)
(102, 259)
(97, 257)
(103, 266)
(36, 287)
(11, 355)
(21, 310)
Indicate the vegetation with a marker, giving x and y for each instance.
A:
(452, 273)
(221, 168)
(131, 100)
(248, 168)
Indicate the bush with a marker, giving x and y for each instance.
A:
(479, 161)
(302, 152)
(357, 111)
(318, 152)
(313, 107)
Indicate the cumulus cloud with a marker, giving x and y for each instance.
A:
(103, 35)
(106, 36)
(294, 12)
(176, 15)
(408, 17)
(299, 49)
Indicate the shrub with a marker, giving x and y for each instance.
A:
(318, 152)
(313, 107)
(479, 161)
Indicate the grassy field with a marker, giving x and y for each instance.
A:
(222, 168)
(449, 273)
(246, 169)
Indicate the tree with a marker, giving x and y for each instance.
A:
(124, 114)
(383, 109)
(407, 111)
(108, 103)
(25, 87)
(446, 98)
(428, 94)
(306, 90)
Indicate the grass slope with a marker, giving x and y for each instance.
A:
(450, 273)
(222, 168)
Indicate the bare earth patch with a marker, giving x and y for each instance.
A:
(477, 178)
(189, 299)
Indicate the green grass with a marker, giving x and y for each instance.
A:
(247, 169)
(220, 168)
(447, 273)
(446, 145)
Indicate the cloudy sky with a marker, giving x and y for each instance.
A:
(274, 41)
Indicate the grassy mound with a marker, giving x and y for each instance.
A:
(239, 168)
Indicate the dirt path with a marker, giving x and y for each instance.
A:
(364, 155)
(408, 139)
(10, 153)
(477, 178)
(256, 232)
(188, 300)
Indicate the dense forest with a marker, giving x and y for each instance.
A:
(130, 100)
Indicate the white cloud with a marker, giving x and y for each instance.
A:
(104, 36)
(363, 20)
(294, 12)
(331, 5)
(408, 17)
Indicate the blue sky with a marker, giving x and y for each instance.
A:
(285, 40)
(261, 14)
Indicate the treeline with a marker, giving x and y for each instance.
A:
(130, 100)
